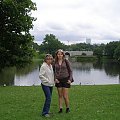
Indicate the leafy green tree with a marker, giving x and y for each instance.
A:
(81, 47)
(51, 44)
(110, 49)
(36, 47)
(15, 38)
(98, 52)
(117, 53)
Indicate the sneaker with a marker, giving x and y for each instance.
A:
(60, 110)
(46, 115)
(50, 113)
(67, 110)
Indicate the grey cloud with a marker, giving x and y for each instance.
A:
(85, 26)
(61, 36)
(110, 37)
(107, 10)
(55, 26)
(64, 35)
(72, 37)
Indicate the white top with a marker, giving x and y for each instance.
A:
(46, 74)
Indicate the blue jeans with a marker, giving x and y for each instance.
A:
(48, 94)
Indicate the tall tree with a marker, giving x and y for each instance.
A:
(110, 49)
(51, 44)
(15, 38)
(98, 52)
(117, 53)
(36, 47)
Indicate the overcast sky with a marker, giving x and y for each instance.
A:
(73, 21)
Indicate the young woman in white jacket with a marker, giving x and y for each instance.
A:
(47, 82)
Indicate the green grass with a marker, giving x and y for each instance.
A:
(86, 103)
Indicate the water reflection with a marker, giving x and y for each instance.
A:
(26, 76)
(32, 78)
(84, 73)
(96, 73)
(7, 76)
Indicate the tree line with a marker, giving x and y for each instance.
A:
(50, 44)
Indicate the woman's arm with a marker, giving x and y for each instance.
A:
(69, 70)
(54, 69)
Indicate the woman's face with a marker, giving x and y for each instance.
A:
(60, 55)
(49, 60)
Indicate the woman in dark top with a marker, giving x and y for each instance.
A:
(63, 78)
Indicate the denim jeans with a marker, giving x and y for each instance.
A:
(48, 94)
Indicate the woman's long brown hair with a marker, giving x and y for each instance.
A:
(56, 57)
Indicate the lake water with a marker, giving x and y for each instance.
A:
(84, 74)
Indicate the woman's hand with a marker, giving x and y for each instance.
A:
(69, 82)
(56, 81)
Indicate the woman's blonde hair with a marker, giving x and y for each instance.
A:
(46, 56)
(56, 57)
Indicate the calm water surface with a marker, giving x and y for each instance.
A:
(84, 73)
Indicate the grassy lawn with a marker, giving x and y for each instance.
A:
(86, 103)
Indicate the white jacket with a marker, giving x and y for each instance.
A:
(46, 74)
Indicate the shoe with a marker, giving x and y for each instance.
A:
(50, 113)
(60, 110)
(67, 110)
(46, 115)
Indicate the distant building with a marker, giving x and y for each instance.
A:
(88, 41)
(74, 53)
